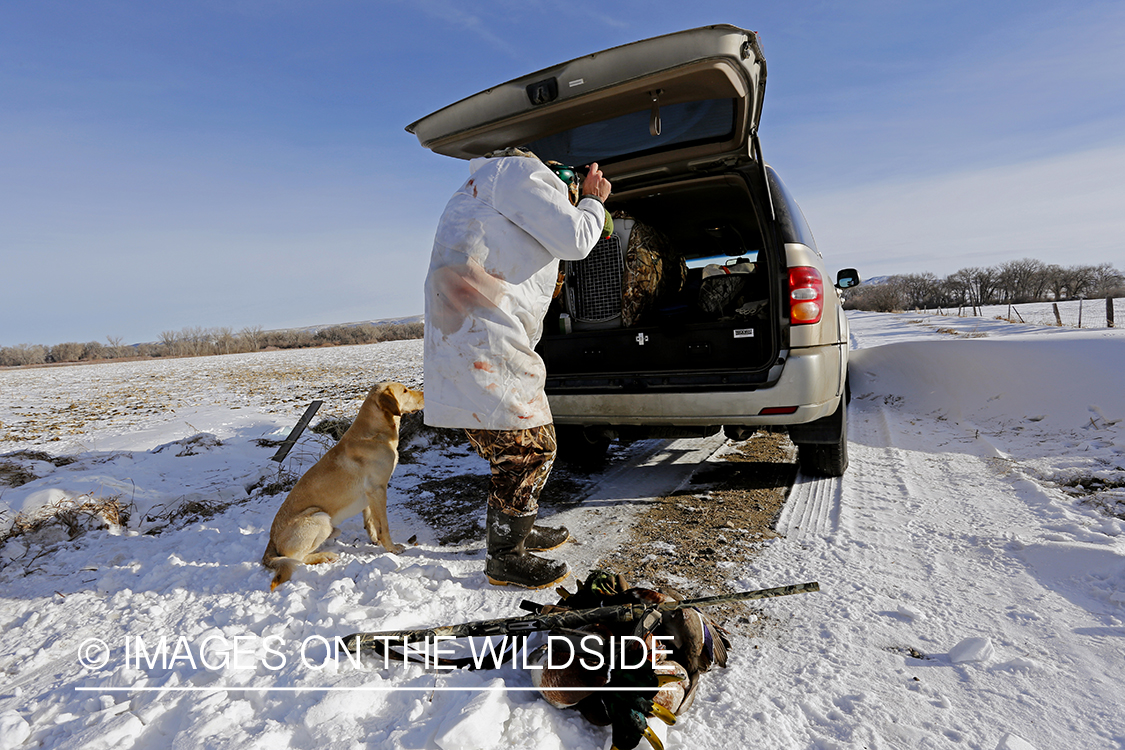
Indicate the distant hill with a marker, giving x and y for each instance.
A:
(876, 280)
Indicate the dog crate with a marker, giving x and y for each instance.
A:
(594, 285)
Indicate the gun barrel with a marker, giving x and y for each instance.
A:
(564, 619)
(742, 596)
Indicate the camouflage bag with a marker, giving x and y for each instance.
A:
(652, 269)
(722, 285)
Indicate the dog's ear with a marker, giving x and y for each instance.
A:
(388, 399)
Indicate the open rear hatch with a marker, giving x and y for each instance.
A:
(650, 109)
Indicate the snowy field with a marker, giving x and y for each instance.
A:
(972, 562)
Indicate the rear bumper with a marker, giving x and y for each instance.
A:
(811, 381)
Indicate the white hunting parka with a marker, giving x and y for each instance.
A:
(492, 273)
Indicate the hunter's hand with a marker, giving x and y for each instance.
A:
(595, 184)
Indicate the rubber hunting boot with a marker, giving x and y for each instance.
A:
(508, 562)
(544, 538)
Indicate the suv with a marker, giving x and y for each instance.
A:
(707, 308)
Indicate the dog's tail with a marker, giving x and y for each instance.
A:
(283, 566)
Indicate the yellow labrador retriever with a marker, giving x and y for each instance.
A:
(351, 477)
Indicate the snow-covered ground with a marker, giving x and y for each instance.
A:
(972, 562)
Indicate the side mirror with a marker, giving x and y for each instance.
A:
(847, 278)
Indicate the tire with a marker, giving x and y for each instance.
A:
(738, 433)
(826, 459)
(579, 448)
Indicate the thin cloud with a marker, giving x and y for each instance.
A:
(451, 15)
(1063, 209)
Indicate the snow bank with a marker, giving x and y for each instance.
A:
(1058, 380)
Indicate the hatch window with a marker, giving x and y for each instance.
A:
(683, 124)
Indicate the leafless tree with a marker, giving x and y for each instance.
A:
(887, 296)
(1016, 280)
(251, 338)
(71, 351)
(1108, 282)
(224, 341)
(922, 290)
(22, 354)
(92, 350)
(1080, 281)
(117, 348)
(959, 286)
(170, 343)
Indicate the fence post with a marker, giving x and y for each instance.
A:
(1058, 318)
(1109, 310)
(288, 443)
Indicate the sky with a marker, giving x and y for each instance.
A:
(244, 163)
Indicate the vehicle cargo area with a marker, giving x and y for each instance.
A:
(680, 296)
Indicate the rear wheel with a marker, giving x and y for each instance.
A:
(582, 448)
(827, 459)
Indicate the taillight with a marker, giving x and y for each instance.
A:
(806, 295)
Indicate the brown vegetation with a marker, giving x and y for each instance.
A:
(1014, 282)
(195, 342)
(70, 516)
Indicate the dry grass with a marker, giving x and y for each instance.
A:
(455, 508)
(193, 508)
(333, 427)
(13, 472)
(413, 425)
(186, 510)
(1090, 485)
(71, 516)
(283, 481)
(14, 475)
(1097, 492)
(963, 334)
(192, 446)
(1111, 506)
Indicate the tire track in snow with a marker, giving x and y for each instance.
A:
(815, 505)
(812, 508)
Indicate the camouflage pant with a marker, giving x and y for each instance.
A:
(521, 461)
